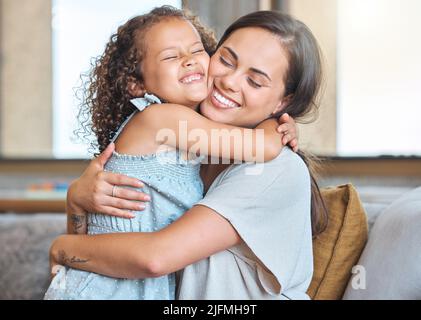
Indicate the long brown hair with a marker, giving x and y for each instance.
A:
(105, 97)
(303, 83)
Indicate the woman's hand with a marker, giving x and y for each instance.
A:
(103, 192)
(289, 129)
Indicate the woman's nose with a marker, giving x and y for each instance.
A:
(230, 82)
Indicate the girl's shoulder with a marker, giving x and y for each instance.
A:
(137, 136)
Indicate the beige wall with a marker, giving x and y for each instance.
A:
(26, 78)
(320, 16)
(26, 72)
(219, 14)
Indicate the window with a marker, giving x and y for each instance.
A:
(81, 28)
(379, 78)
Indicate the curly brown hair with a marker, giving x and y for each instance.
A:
(105, 97)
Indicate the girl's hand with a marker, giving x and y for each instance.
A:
(289, 129)
(54, 264)
(103, 192)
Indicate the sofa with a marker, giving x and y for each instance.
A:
(385, 261)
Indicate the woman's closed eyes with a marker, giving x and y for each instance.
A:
(251, 82)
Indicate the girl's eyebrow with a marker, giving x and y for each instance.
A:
(175, 47)
(235, 57)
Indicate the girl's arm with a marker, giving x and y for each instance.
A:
(198, 234)
(92, 191)
(288, 127)
(186, 130)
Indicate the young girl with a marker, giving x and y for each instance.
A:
(157, 57)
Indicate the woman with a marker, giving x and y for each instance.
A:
(251, 236)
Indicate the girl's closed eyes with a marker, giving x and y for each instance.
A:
(173, 54)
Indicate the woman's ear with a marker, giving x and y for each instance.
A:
(285, 101)
(136, 89)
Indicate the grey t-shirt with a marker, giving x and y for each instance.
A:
(269, 206)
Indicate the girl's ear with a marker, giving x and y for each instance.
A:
(285, 101)
(136, 89)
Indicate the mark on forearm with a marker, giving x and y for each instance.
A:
(78, 222)
(65, 260)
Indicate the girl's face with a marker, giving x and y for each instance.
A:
(246, 79)
(175, 64)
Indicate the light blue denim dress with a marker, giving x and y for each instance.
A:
(174, 185)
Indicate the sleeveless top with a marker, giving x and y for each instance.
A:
(174, 185)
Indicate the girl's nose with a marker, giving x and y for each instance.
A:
(189, 61)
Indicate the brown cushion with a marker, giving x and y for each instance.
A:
(338, 249)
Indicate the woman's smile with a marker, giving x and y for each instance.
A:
(220, 100)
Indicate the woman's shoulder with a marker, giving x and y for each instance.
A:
(292, 161)
(286, 163)
(285, 173)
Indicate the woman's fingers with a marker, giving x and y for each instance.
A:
(128, 194)
(116, 212)
(121, 208)
(106, 154)
(125, 204)
(116, 179)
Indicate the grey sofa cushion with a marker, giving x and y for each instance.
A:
(392, 258)
(24, 263)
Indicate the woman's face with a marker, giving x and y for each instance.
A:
(246, 79)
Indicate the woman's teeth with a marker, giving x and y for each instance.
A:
(191, 78)
(224, 101)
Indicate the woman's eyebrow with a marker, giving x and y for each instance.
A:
(233, 54)
(261, 73)
(235, 57)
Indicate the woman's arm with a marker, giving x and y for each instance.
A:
(189, 131)
(198, 234)
(76, 219)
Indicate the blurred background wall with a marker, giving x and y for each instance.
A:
(26, 78)
(36, 123)
(368, 125)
